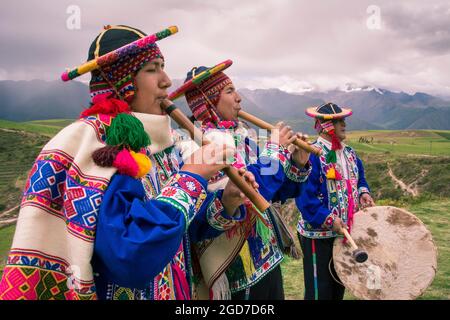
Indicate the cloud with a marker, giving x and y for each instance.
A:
(424, 27)
(294, 45)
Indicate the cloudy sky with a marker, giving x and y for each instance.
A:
(294, 45)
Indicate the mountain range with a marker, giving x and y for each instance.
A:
(373, 108)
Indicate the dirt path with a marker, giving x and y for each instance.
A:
(410, 188)
(6, 218)
(5, 213)
(7, 222)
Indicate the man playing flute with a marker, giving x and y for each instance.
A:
(244, 263)
(108, 204)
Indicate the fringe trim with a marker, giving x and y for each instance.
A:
(294, 252)
(221, 288)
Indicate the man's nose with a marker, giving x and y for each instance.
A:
(165, 81)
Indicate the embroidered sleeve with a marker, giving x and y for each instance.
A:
(277, 152)
(362, 190)
(186, 193)
(217, 216)
(363, 186)
(329, 220)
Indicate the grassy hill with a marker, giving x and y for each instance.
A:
(420, 159)
(47, 128)
(436, 216)
(20, 143)
(423, 142)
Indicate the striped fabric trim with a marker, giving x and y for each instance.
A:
(362, 190)
(217, 217)
(185, 193)
(314, 256)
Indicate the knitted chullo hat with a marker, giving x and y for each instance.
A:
(112, 90)
(324, 115)
(203, 99)
(118, 77)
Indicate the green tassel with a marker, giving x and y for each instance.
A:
(129, 131)
(331, 157)
(263, 231)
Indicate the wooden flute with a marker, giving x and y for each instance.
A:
(265, 125)
(183, 121)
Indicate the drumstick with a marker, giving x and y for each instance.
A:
(265, 125)
(358, 254)
(255, 197)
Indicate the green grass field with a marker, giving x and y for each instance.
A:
(435, 215)
(44, 127)
(424, 142)
(6, 237)
(419, 158)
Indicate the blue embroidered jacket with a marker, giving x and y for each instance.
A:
(142, 246)
(322, 199)
(279, 179)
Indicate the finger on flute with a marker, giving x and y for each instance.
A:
(254, 196)
(265, 125)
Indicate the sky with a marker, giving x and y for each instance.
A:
(293, 45)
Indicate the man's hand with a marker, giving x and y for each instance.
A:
(366, 201)
(232, 197)
(338, 225)
(208, 160)
(282, 135)
(299, 156)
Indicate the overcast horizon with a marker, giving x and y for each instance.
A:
(291, 45)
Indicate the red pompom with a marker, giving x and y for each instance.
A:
(104, 104)
(335, 143)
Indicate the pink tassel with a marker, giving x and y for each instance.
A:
(351, 207)
(125, 163)
(182, 290)
(337, 175)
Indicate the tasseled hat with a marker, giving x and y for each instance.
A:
(114, 58)
(204, 97)
(117, 78)
(324, 115)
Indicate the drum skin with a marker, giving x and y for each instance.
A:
(402, 255)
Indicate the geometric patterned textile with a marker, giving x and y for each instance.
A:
(62, 196)
(33, 275)
(53, 244)
(338, 198)
(58, 186)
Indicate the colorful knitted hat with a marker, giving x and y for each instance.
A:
(114, 58)
(328, 111)
(117, 78)
(324, 115)
(204, 97)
